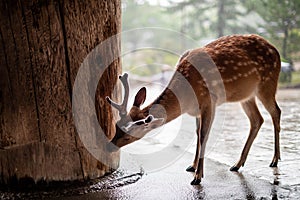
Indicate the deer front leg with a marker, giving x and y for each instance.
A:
(207, 116)
(192, 168)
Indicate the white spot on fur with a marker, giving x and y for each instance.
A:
(271, 51)
(267, 66)
(214, 83)
(228, 80)
(214, 70)
(260, 58)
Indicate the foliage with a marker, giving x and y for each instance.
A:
(203, 20)
(293, 46)
(282, 22)
(142, 15)
(294, 82)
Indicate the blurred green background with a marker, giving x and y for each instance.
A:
(205, 20)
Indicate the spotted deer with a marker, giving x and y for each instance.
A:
(248, 67)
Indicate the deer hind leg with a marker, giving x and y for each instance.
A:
(271, 106)
(256, 121)
(207, 116)
(192, 168)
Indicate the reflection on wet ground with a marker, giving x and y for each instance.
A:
(256, 180)
(235, 132)
(115, 180)
(229, 135)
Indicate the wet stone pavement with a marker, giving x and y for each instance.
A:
(170, 183)
(117, 179)
(138, 179)
(174, 183)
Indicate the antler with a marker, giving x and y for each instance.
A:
(122, 108)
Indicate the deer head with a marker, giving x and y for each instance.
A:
(134, 125)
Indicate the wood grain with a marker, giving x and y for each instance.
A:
(42, 45)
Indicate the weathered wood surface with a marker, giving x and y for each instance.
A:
(42, 44)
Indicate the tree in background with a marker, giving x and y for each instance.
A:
(141, 15)
(198, 19)
(281, 22)
(205, 20)
(212, 17)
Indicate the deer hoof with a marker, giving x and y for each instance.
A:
(273, 164)
(196, 182)
(190, 169)
(234, 169)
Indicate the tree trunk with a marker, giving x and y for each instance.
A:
(42, 46)
(284, 43)
(221, 18)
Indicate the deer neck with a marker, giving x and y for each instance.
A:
(165, 106)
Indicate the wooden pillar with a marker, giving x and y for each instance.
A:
(42, 46)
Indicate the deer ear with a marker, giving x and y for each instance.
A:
(140, 97)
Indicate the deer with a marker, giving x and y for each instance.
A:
(248, 67)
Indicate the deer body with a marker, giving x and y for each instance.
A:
(235, 68)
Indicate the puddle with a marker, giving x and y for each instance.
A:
(119, 178)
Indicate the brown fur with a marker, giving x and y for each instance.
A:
(235, 68)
